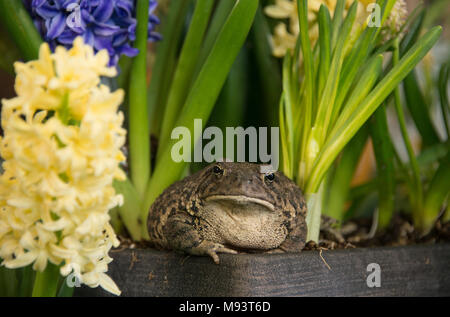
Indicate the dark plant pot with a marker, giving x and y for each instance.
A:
(421, 270)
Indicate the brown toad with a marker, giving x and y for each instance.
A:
(228, 207)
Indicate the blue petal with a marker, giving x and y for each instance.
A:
(104, 11)
(124, 9)
(67, 3)
(56, 26)
(104, 29)
(113, 60)
(152, 6)
(37, 3)
(59, 3)
(120, 38)
(127, 50)
(87, 17)
(47, 12)
(154, 37)
(154, 19)
(132, 31)
(101, 43)
(89, 38)
(67, 37)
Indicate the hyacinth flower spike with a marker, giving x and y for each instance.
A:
(62, 149)
(103, 24)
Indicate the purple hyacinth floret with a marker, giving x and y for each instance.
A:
(104, 24)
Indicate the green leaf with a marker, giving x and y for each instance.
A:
(186, 67)
(415, 100)
(413, 33)
(26, 276)
(9, 282)
(230, 108)
(64, 289)
(418, 109)
(46, 282)
(436, 195)
(416, 191)
(364, 84)
(20, 27)
(266, 64)
(324, 112)
(352, 65)
(444, 76)
(340, 138)
(8, 52)
(130, 210)
(164, 66)
(286, 117)
(339, 186)
(384, 155)
(308, 80)
(220, 16)
(325, 48)
(138, 127)
(337, 20)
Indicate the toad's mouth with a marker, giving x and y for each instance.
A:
(240, 199)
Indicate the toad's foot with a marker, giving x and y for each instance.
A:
(211, 249)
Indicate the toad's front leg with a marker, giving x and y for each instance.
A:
(182, 235)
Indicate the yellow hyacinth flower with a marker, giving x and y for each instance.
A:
(62, 149)
(285, 36)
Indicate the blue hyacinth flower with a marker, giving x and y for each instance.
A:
(104, 24)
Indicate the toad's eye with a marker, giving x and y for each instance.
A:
(217, 170)
(270, 177)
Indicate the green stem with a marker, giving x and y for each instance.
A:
(20, 27)
(139, 143)
(46, 282)
(417, 195)
(314, 202)
(437, 193)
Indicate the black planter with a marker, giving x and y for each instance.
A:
(421, 270)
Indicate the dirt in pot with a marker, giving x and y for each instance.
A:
(362, 233)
